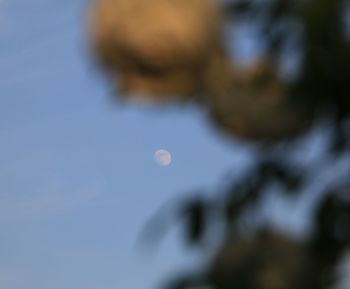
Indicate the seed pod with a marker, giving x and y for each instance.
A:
(155, 48)
(268, 261)
(254, 104)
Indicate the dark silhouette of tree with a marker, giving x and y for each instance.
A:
(175, 51)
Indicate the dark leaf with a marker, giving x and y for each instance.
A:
(194, 214)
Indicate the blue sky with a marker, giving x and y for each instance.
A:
(77, 175)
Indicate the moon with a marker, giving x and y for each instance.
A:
(162, 157)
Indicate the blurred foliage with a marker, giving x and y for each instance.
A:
(175, 50)
(157, 51)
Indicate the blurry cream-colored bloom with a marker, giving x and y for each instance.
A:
(155, 48)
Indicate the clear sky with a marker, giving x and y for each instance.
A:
(77, 175)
